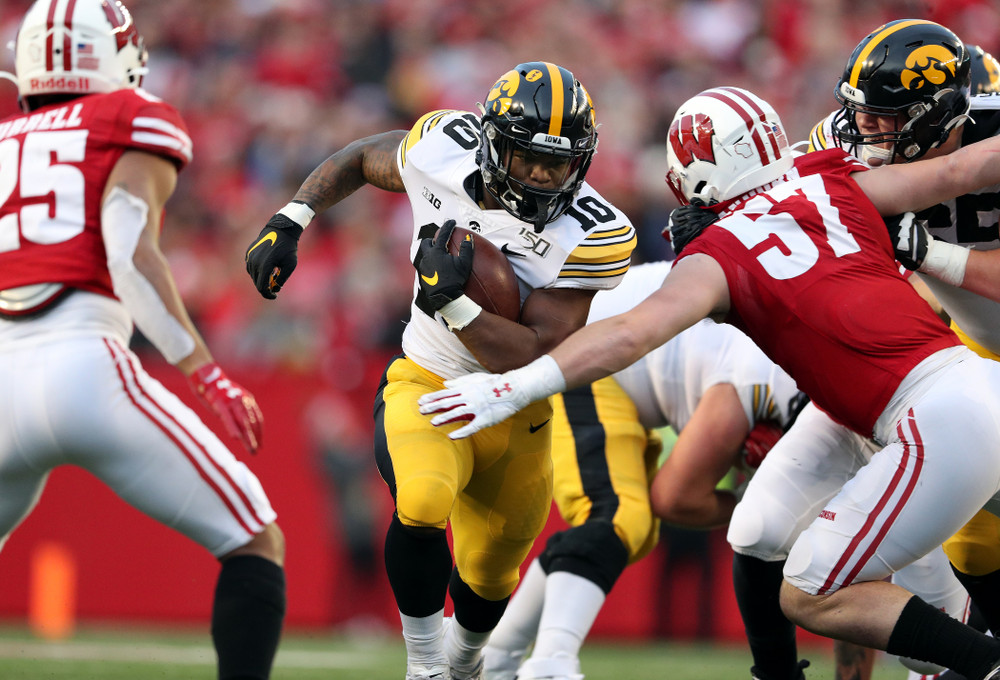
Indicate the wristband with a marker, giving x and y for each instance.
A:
(460, 312)
(298, 212)
(945, 261)
(540, 379)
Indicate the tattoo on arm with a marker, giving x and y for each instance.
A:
(371, 160)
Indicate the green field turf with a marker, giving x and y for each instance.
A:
(107, 654)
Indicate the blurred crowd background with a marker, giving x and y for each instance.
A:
(270, 88)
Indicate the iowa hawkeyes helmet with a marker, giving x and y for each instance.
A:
(915, 70)
(537, 111)
(985, 71)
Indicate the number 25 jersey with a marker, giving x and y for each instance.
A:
(54, 166)
(589, 246)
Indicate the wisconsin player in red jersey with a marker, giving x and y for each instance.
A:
(801, 261)
(85, 172)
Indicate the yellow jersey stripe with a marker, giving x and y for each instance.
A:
(817, 140)
(598, 251)
(588, 274)
(873, 43)
(555, 122)
(424, 124)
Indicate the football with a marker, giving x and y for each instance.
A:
(492, 284)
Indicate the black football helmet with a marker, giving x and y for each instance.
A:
(537, 109)
(915, 70)
(985, 71)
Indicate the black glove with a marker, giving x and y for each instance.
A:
(686, 222)
(910, 239)
(271, 258)
(442, 275)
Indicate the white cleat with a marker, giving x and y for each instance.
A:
(436, 672)
(502, 664)
(558, 667)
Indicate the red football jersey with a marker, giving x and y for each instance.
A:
(813, 280)
(54, 165)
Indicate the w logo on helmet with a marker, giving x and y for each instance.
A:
(932, 64)
(691, 139)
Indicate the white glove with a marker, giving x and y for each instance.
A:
(485, 399)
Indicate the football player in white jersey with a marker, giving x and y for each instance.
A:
(513, 174)
(800, 259)
(85, 172)
(727, 401)
(872, 94)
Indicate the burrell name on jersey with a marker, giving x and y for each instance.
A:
(589, 246)
(58, 159)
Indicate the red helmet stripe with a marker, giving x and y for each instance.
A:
(757, 110)
(758, 142)
(68, 37)
(50, 22)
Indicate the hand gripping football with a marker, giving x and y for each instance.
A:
(492, 284)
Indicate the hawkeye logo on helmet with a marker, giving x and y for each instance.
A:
(499, 98)
(690, 137)
(932, 64)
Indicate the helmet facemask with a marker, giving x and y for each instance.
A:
(927, 125)
(536, 114)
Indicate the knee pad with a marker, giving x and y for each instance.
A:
(752, 533)
(591, 550)
(425, 502)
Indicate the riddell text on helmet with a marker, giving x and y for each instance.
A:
(61, 83)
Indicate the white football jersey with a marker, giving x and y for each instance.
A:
(589, 246)
(667, 384)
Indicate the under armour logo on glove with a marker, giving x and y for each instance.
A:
(233, 404)
(483, 399)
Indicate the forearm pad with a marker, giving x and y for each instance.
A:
(123, 217)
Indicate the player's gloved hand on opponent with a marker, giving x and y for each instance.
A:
(234, 405)
(442, 276)
(916, 249)
(910, 239)
(272, 256)
(686, 222)
(485, 399)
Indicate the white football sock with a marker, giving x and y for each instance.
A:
(424, 638)
(513, 636)
(463, 647)
(571, 605)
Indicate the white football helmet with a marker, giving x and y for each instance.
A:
(722, 143)
(77, 47)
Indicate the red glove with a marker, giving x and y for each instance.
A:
(764, 435)
(232, 403)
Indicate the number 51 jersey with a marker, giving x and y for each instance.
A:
(54, 166)
(589, 246)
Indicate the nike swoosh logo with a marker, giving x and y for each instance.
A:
(535, 428)
(272, 237)
(430, 281)
(505, 249)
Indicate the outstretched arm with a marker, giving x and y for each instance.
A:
(898, 188)
(695, 288)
